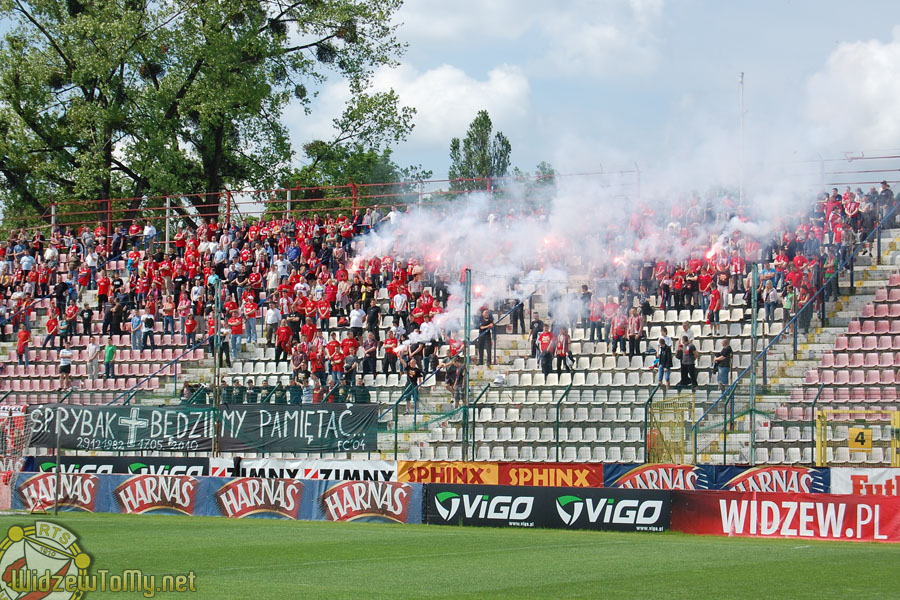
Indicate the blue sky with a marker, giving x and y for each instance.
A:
(611, 82)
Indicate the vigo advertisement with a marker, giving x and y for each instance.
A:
(511, 473)
(554, 507)
(798, 516)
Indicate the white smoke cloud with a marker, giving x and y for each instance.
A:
(851, 102)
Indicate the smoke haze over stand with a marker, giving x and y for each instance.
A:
(583, 234)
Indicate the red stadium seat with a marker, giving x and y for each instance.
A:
(868, 311)
(812, 376)
(882, 327)
(886, 360)
(882, 311)
(894, 295)
(870, 342)
(853, 328)
(887, 377)
(857, 360)
(873, 377)
(841, 377)
(827, 360)
(871, 361)
(855, 344)
(885, 343)
(881, 295)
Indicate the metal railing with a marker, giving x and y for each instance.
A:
(794, 323)
(556, 429)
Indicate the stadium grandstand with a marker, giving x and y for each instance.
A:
(707, 332)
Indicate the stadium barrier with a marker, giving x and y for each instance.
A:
(300, 499)
(771, 479)
(795, 516)
(508, 473)
(547, 507)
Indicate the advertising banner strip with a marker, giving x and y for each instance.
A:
(553, 507)
(134, 465)
(241, 497)
(511, 473)
(313, 468)
(782, 479)
(240, 428)
(795, 516)
(865, 482)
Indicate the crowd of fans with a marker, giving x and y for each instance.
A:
(281, 280)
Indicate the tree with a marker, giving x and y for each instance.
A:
(104, 99)
(479, 156)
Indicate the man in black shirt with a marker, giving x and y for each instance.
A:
(723, 364)
(87, 315)
(413, 379)
(537, 326)
(485, 336)
(373, 320)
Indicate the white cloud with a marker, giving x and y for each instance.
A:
(851, 101)
(447, 98)
(618, 37)
(466, 20)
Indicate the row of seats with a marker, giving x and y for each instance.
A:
(532, 434)
(580, 414)
(859, 360)
(52, 385)
(868, 343)
(483, 452)
(132, 369)
(852, 378)
(122, 355)
(606, 379)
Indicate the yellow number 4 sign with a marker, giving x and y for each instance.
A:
(860, 439)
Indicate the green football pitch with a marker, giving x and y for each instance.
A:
(263, 559)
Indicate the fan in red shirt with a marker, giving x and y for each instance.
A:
(308, 331)
(22, 340)
(283, 337)
(350, 345)
(323, 311)
(390, 353)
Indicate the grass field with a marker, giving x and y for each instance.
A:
(259, 558)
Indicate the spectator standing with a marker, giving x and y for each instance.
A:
(635, 330)
(23, 337)
(664, 358)
(562, 351)
(370, 350)
(109, 355)
(168, 312)
(93, 359)
(485, 336)
(357, 320)
(537, 327)
(236, 323)
(272, 320)
(52, 332)
(546, 344)
(687, 355)
(723, 364)
(189, 328)
(146, 327)
(65, 366)
(136, 323)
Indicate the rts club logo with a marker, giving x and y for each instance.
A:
(42, 561)
(484, 508)
(612, 513)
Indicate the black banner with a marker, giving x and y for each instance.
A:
(240, 428)
(559, 508)
(131, 465)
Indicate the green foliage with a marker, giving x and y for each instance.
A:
(125, 98)
(479, 156)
